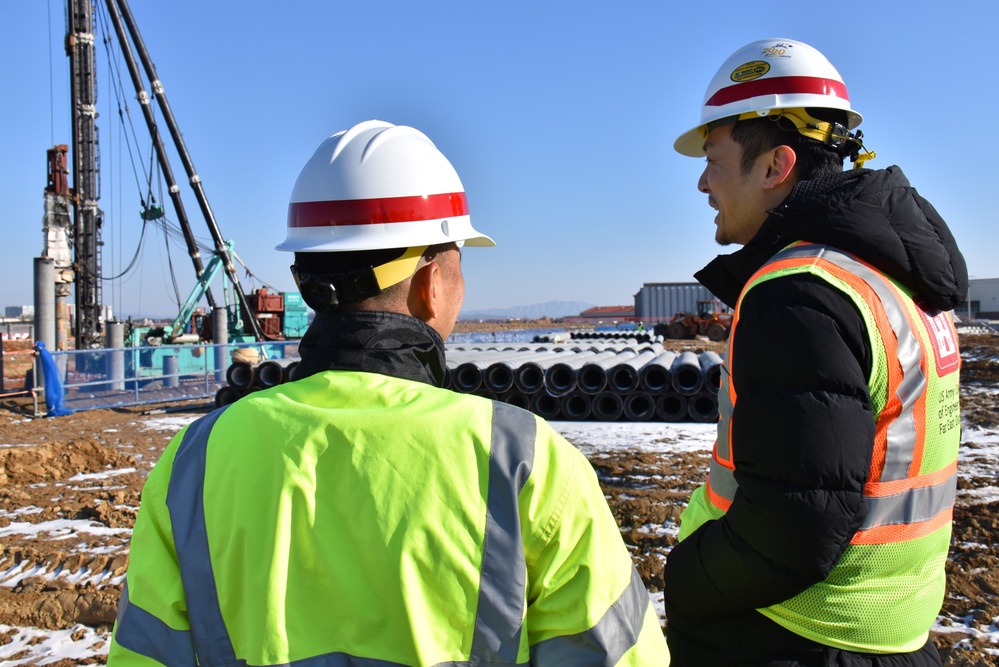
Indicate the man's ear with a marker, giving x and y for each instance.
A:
(425, 292)
(780, 163)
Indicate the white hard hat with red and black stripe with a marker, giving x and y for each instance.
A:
(378, 186)
(764, 78)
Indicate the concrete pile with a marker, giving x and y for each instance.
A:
(245, 377)
(599, 380)
(612, 379)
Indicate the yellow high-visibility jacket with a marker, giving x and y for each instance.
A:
(352, 518)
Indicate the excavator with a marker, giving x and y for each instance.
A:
(709, 320)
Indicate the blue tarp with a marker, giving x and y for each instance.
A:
(53, 383)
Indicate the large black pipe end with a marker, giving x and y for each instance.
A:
(607, 406)
(577, 406)
(270, 374)
(466, 378)
(654, 378)
(545, 405)
(639, 407)
(687, 380)
(671, 407)
(239, 374)
(498, 377)
(517, 399)
(530, 378)
(592, 379)
(226, 395)
(560, 379)
(703, 407)
(623, 379)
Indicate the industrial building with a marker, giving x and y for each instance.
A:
(983, 300)
(658, 302)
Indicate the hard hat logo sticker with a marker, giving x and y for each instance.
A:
(777, 50)
(751, 70)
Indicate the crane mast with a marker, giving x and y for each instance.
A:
(87, 216)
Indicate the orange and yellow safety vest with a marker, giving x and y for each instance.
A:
(886, 590)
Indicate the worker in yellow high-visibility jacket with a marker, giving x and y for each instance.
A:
(363, 514)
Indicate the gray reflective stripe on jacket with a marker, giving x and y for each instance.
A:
(607, 641)
(139, 631)
(503, 578)
(908, 506)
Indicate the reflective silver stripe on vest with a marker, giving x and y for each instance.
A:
(901, 443)
(720, 478)
(141, 632)
(185, 501)
(605, 642)
(911, 506)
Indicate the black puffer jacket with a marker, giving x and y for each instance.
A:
(803, 430)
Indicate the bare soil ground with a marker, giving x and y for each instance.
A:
(56, 470)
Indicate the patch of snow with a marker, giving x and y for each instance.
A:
(43, 647)
(60, 529)
(168, 423)
(81, 477)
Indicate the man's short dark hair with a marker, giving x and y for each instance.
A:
(814, 158)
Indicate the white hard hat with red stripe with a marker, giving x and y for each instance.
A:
(764, 78)
(378, 186)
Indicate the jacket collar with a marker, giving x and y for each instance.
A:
(376, 342)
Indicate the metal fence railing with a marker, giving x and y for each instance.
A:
(108, 378)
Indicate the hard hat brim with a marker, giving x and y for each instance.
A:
(691, 142)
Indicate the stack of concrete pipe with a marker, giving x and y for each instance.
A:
(244, 378)
(599, 380)
(621, 379)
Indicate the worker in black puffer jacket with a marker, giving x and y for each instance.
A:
(821, 534)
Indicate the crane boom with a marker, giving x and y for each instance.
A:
(158, 148)
(220, 245)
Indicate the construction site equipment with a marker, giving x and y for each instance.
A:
(81, 235)
(709, 320)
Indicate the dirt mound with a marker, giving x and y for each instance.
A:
(56, 604)
(43, 463)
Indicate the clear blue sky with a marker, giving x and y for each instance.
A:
(559, 117)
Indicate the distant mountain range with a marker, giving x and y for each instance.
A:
(550, 309)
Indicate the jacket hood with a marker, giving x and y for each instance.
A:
(875, 215)
(880, 218)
